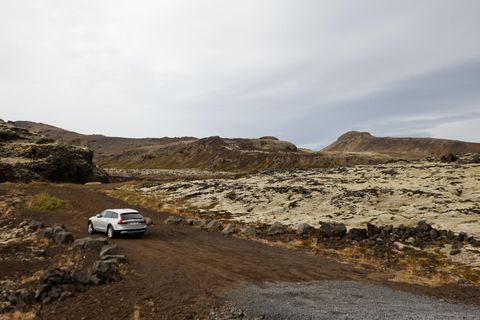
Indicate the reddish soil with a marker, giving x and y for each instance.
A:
(180, 272)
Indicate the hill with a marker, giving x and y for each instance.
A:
(354, 141)
(212, 153)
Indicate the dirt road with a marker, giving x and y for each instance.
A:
(181, 272)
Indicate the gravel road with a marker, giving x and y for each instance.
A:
(344, 300)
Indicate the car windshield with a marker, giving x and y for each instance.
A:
(131, 215)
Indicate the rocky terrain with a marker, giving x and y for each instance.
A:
(355, 141)
(447, 194)
(212, 153)
(25, 156)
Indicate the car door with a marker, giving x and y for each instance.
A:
(102, 221)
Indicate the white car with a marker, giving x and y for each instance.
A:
(117, 222)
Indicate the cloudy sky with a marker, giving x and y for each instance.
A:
(305, 71)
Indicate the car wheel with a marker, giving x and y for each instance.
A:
(90, 228)
(110, 232)
(140, 235)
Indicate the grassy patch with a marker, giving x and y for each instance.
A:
(47, 202)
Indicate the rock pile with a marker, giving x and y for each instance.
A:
(25, 157)
(61, 282)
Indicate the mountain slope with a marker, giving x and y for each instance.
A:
(212, 153)
(354, 141)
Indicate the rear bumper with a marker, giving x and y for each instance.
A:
(127, 231)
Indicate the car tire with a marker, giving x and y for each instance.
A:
(90, 228)
(110, 232)
(140, 235)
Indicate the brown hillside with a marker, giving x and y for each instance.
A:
(354, 141)
(213, 153)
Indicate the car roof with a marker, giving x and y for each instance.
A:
(120, 211)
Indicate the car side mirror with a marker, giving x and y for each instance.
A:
(99, 215)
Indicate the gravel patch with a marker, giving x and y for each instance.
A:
(343, 300)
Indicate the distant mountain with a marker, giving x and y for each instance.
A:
(354, 141)
(213, 153)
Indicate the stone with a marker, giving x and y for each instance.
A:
(106, 270)
(63, 237)
(214, 225)
(80, 243)
(455, 252)
(79, 276)
(148, 221)
(450, 157)
(34, 225)
(434, 234)
(462, 236)
(423, 226)
(173, 220)
(46, 233)
(357, 234)
(250, 231)
(108, 250)
(372, 230)
(304, 228)
(58, 228)
(332, 230)
(276, 228)
(117, 258)
(192, 222)
(95, 243)
(229, 230)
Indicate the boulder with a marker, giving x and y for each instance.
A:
(79, 277)
(105, 271)
(173, 220)
(434, 234)
(423, 226)
(357, 234)
(192, 222)
(58, 228)
(276, 228)
(148, 221)
(450, 157)
(31, 158)
(46, 233)
(372, 230)
(229, 230)
(304, 228)
(214, 225)
(34, 225)
(250, 231)
(108, 250)
(332, 230)
(63, 237)
(90, 244)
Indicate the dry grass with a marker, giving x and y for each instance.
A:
(47, 202)
(17, 315)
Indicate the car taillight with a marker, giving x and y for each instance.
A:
(120, 221)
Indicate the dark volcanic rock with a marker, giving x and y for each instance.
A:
(332, 230)
(357, 234)
(63, 237)
(276, 228)
(304, 228)
(23, 159)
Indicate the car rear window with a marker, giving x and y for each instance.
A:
(132, 215)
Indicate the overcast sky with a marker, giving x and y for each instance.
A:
(305, 71)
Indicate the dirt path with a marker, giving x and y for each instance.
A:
(180, 272)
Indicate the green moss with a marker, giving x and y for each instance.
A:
(47, 202)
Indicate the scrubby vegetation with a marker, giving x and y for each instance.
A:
(47, 202)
